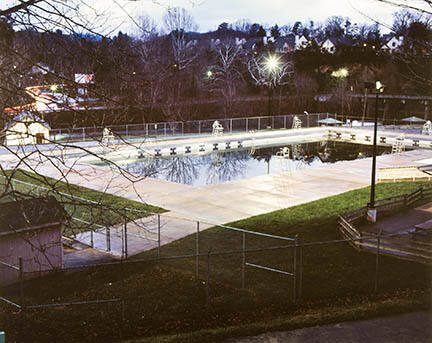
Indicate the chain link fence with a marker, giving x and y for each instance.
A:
(184, 128)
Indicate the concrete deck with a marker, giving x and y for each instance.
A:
(402, 222)
(219, 203)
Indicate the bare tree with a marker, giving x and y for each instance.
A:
(225, 74)
(421, 6)
(270, 71)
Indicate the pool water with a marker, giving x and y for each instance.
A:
(217, 167)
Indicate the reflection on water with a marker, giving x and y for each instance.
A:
(220, 167)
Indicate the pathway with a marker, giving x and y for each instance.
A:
(402, 221)
(409, 327)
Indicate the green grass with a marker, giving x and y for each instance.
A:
(103, 209)
(166, 302)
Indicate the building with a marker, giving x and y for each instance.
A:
(30, 229)
(26, 128)
(392, 44)
(301, 42)
(285, 44)
(329, 45)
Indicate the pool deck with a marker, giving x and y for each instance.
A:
(216, 203)
(219, 203)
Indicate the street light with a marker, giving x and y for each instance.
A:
(271, 65)
(378, 88)
(341, 75)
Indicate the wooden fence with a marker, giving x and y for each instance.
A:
(400, 245)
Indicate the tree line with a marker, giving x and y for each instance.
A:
(166, 70)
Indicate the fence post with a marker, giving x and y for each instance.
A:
(146, 129)
(231, 125)
(377, 262)
(182, 128)
(197, 250)
(259, 123)
(108, 238)
(247, 124)
(199, 127)
(284, 121)
(243, 260)
(300, 286)
(122, 291)
(273, 127)
(159, 241)
(21, 280)
(83, 134)
(295, 270)
(165, 132)
(91, 231)
(125, 236)
(208, 278)
(126, 131)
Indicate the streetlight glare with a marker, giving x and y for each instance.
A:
(342, 72)
(272, 62)
(209, 73)
(379, 86)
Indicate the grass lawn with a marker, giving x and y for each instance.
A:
(166, 302)
(102, 209)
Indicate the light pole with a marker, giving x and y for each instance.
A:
(341, 74)
(378, 87)
(271, 65)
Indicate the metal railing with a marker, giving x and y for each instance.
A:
(390, 244)
(184, 128)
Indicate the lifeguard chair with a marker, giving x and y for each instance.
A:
(217, 128)
(427, 128)
(297, 123)
(107, 136)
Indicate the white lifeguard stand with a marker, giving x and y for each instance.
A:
(427, 128)
(297, 123)
(283, 152)
(107, 136)
(399, 144)
(217, 128)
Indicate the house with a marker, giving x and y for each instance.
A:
(285, 44)
(301, 42)
(26, 128)
(332, 44)
(393, 43)
(254, 44)
(30, 229)
(329, 45)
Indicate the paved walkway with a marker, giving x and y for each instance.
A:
(410, 327)
(401, 222)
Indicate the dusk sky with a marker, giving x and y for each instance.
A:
(208, 14)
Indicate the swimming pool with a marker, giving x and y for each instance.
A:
(218, 167)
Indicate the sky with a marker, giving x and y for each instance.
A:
(208, 14)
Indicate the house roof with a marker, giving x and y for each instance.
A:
(23, 115)
(30, 214)
(281, 41)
